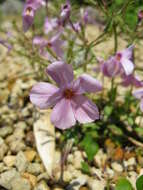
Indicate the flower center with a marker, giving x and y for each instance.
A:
(118, 56)
(68, 93)
(29, 11)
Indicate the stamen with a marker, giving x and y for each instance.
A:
(68, 93)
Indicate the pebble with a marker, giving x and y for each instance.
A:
(5, 131)
(2, 167)
(30, 155)
(3, 149)
(21, 162)
(130, 162)
(96, 184)
(77, 159)
(20, 184)
(100, 158)
(30, 140)
(16, 146)
(34, 168)
(78, 182)
(117, 167)
(42, 186)
(31, 178)
(9, 160)
(7, 178)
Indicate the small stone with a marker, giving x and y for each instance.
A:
(77, 159)
(9, 160)
(7, 177)
(110, 172)
(70, 158)
(79, 181)
(17, 146)
(117, 167)
(21, 162)
(31, 178)
(44, 176)
(100, 158)
(21, 125)
(3, 149)
(42, 186)
(5, 131)
(84, 188)
(67, 176)
(2, 167)
(34, 168)
(21, 184)
(130, 162)
(30, 155)
(96, 184)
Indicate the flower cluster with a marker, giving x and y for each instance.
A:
(68, 98)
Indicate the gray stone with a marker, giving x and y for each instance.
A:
(5, 131)
(21, 162)
(21, 184)
(17, 146)
(3, 149)
(34, 168)
(7, 177)
(42, 186)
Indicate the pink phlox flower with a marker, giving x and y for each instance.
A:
(70, 104)
(140, 16)
(55, 44)
(51, 25)
(109, 68)
(30, 7)
(132, 80)
(65, 12)
(125, 59)
(139, 95)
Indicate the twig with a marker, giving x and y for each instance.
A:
(135, 142)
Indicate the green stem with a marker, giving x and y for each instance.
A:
(115, 37)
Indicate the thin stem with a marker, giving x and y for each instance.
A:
(115, 37)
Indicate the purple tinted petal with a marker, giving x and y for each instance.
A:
(111, 67)
(44, 95)
(89, 84)
(28, 18)
(50, 25)
(141, 105)
(85, 110)
(61, 73)
(138, 93)
(132, 80)
(128, 52)
(62, 115)
(56, 45)
(128, 66)
(38, 40)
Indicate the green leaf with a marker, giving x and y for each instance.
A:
(139, 183)
(90, 146)
(123, 184)
(85, 167)
(115, 130)
(139, 131)
(108, 110)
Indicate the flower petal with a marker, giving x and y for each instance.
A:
(60, 72)
(128, 52)
(141, 105)
(85, 110)
(44, 95)
(128, 66)
(89, 84)
(62, 115)
(138, 93)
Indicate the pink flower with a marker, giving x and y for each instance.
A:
(131, 80)
(68, 100)
(125, 59)
(65, 12)
(139, 95)
(140, 16)
(120, 64)
(110, 68)
(55, 44)
(51, 24)
(29, 12)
